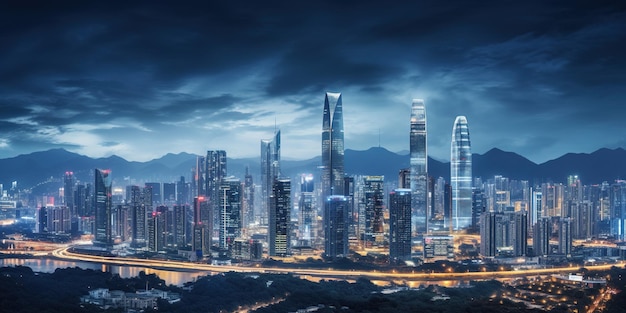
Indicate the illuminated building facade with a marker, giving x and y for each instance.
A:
(461, 174)
(270, 171)
(307, 210)
(279, 218)
(202, 227)
(215, 168)
(400, 225)
(332, 146)
(335, 226)
(68, 192)
(102, 188)
(419, 167)
(248, 199)
(373, 198)
(503, 234)
(229, 212)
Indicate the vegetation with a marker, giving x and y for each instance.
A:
(23, 290)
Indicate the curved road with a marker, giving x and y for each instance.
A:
(63, 253)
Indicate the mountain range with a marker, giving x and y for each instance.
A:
(47, 167)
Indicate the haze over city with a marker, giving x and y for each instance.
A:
(140, 80)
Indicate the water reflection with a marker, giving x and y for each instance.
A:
(44, 265)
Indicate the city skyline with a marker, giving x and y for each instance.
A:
(123, 79)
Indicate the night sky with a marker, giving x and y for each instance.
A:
(141, 79)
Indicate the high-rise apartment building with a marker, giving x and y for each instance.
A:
(373, 198)
(202, 226)
(169, 193)
(68, 192)
(617, 211)
(157, 195)
(198, 183)
(141, 207)
(419, 167)
(565, 236)
(215, 168)
(279, 218)
(542, 232)
(229, 211)
(332, 146)
(182, 192)
(335, 226)
(461, 174)
(307, 210)
(156, 230)
(270, 171)
(102, 187)
(404, 178)
(400, 225)
(181, 226)
(248, 199)
(503, 234)
(349, 187)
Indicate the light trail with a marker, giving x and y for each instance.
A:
(63, 253)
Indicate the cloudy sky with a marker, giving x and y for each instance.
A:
(141, 79)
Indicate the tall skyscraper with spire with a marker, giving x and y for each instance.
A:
(332, 146)
(461, 174)
(270, 171)
(419, 168)
(335, 203)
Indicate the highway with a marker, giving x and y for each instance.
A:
(63, 253)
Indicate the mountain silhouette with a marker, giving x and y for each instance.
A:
(48, 167)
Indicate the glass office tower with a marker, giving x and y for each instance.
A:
(419, 167)
(461, 174)
(332, 146)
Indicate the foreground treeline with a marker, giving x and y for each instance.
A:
(22, 290)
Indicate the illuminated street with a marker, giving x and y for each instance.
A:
(63, 253)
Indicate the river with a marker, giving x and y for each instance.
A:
(45, 265)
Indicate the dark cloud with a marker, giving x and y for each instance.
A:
(127, 70)
(317, 67)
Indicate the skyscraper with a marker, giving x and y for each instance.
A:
(335, 226)
(332, 146)
(307, 210)
(230, 212)
(542, 231)
(198, 187)
(215, 168)
(503, 234)
(617, 200)
(102, 198)
(400, 225)
(279, 218)
(248, 196)
(68, 192)
(270, 171)
(157, 195)
(373, 194)
(461, 174)
(565, 236)
(202, 227)
(156, 229)
(180, 225)
(419, 167)
(141, 206)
